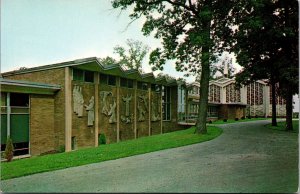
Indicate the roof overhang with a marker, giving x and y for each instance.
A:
(28, 87)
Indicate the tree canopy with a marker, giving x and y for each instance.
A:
(191, 33)
(265, 41)
(132, 57)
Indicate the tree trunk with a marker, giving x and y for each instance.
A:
(205, 70)
(289, 109)
(203, 101)
(273, 88)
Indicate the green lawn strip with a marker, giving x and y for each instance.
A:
(22, 167)
(240, 120)
(281, 126)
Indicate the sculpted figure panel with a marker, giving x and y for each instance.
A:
(78, 100)
(126, 118)
(91, 111)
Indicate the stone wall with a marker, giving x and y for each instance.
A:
(155, 113)
(53, 76)
(84, 134)
(231, 111)
(105, 127)
(41, 124)
(126, 118)
(142, 124)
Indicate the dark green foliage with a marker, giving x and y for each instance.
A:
(61, 149)
(132, 57)
(266, 45)
(243, 118)
(101, 139)
(236, 119)
(188, 36)
(210, 122)
(224, 120)
(9, 150)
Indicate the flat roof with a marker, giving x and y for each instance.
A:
(18, 86)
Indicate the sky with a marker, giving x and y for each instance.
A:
(41, 32)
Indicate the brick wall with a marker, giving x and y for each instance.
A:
(41, 124)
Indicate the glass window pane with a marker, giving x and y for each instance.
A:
(130, 83)
(18, 99)
(123, 82)
(77, 74)
(111, 80)
(103, 79)
(89, 76)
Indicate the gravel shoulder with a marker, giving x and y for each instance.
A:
(247, 157)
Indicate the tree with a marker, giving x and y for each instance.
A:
(190, 32)
(9, 150)
(108, 61)
(132, 58)
(266, 44)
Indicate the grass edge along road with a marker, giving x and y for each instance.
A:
(238, 121)
(281, 126)
(51, 162)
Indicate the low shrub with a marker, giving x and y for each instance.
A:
(210, 122)
(9, 150)
(61, 149)
(224, 120)
(236, 119)
(243, 118)
(256, 116)
(101, 139)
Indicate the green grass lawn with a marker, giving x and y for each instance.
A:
(240, 120)
(281, 126)
(142, 145)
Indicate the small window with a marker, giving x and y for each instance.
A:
(77, 75)
(111, 80)
(89, 76)
(124, 82)
(142, 86)
(18, 99)
(155, 88)
(103, 79)
(130, 83)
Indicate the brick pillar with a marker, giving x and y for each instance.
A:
(68, 110)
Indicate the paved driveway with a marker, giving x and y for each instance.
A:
(246, 158)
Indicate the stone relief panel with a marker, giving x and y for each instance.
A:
(142, 107)
(108, 106)
(126, 117)
(91, 111)
(78, 100)
(155, 113)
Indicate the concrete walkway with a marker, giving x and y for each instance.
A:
(246, 158)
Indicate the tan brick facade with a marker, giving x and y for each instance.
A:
(41, 124)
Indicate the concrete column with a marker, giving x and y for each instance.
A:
(134, 111)
(223, 95)
(149, 108)
(8, 111)
(118, 108)
(68, 110)
(96, 108)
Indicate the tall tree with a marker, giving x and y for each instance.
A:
(190, 32)
(108, 61)
(132, 57)
(266, 45)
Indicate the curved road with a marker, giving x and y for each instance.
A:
(247, 157)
